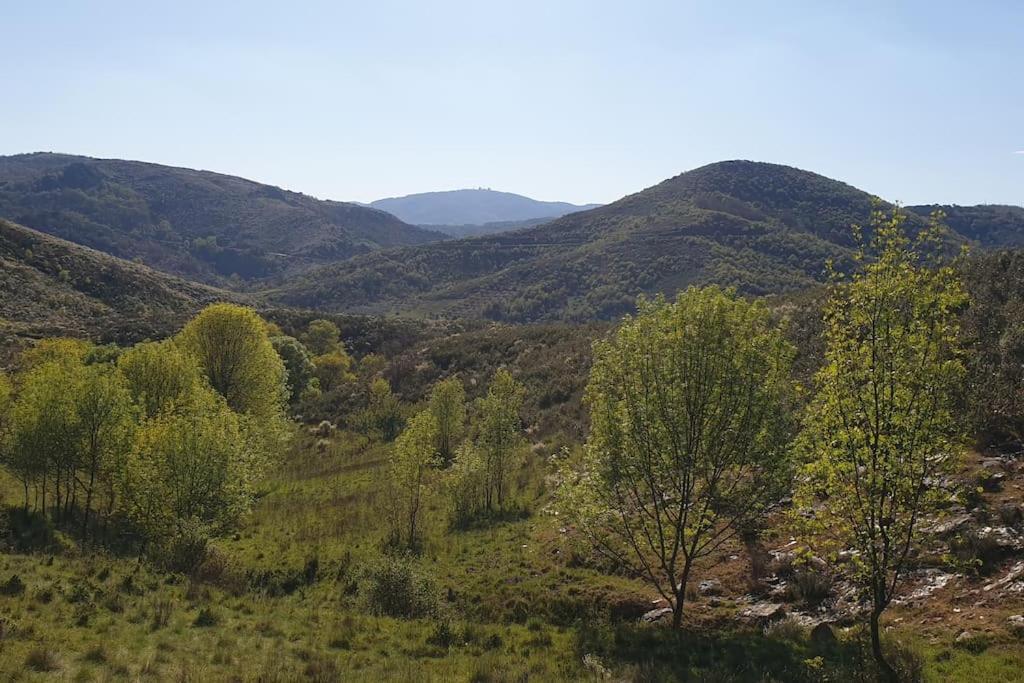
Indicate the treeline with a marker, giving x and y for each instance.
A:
(152, 444)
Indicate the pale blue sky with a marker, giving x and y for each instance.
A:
(578, 101)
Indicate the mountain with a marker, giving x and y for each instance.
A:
(49, 286)
(197, 224)
(472, 207)
(763, 228)
(994, 226)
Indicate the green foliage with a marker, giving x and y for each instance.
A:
(322, 337)
(993, 334)
(688, 434)
(414, 452)
(298, 364)
(448, 405)
(383, 414)
(468, 484)
(499, 437)
(881, 428)
(234, 351)
(160, 375)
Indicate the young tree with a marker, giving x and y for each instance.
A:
(333, 370)
(160, 375)
(106, 422)
(448, 405)
(189, 466)
(467, 484)
(499, 435)
(411, 457)
(322, 337)
(298, 363)
(688, 435)
(383, 412)
(232, 347)
(881, 428)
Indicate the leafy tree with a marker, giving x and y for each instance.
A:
(232, 347)
(383, 411)
(499, 435)
(55, 350)
(106, 422)
(333, 370)
(298, 363)
(688, 435)
(467, 485)
(190, 466)
(413, 453)
(993, 332)
(322, 337)
(160, 375)
(881, 428)
(44, 427)
(448, 405)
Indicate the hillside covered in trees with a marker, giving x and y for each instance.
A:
(196, 224)
(762, 228)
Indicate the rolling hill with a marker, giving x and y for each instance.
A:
(993, 226)
(49, 286)
(472, 207)
(196, 224)
(763, 228)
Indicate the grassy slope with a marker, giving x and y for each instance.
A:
(517, 604)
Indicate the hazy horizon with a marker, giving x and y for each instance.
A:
(581, 103)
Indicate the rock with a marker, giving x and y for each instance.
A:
(846, 555)
(1016, 623)
(1012, 514)
(950, 526)
(710, 587)
(993, 482)
(817, 564)
(822, 635)
(1015, 573)
(764, 612)
(657, 615)
(1002, 537)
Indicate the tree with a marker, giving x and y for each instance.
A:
(881, 429)
(232, 347)
(298, 363)
(383, 411)
(333, 370)
(160, 375)
(189, 466)
(499, 435)
(448, 405)
(322, 337)
(687, 445)
(43, 431)
(467, 484)
(106, 422)
(413, 453)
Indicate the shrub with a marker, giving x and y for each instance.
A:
(206, 617)
(397, 587)
(12, 586)
(42, 659)
(810, 587)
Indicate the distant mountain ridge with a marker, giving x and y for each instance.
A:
(201, 225)
(472, 207)
(763, 228)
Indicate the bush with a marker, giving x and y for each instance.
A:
(185, 551)
(397, 587)
(810, 587)
(42, 659)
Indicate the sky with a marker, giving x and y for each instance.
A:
(582, 101)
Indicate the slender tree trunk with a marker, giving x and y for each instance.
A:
(885, 671)
(680, 591)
